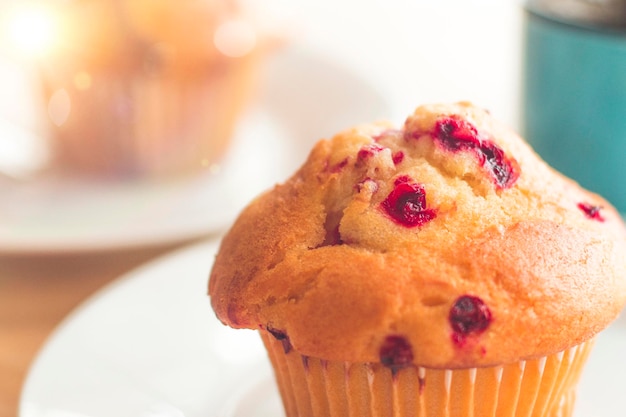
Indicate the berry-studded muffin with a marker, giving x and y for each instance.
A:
(438, 269)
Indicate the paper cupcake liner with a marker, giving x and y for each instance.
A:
(311, 387)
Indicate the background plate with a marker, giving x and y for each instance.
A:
(304, 97)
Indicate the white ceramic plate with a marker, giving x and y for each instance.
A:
(150, 346)
(304, 97)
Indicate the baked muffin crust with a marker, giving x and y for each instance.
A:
(447, 240)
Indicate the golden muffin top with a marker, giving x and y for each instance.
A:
(445, 243)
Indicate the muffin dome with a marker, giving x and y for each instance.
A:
(447, 243)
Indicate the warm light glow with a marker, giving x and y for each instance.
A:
(32, 29)
(82, 80)
(59, 107)
(213, 168)
(235, 38)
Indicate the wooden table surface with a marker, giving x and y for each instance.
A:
(37, 292)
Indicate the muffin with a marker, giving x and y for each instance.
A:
(439, 269)
(139, 88)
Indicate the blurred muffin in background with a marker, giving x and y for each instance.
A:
(147, 88)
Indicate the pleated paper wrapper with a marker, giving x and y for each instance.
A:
(312, 387)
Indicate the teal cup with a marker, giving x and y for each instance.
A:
(574, 91)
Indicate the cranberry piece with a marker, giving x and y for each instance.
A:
(402, 179)
(396, 352)
(456, 134)
(406, 204)
(369, 150)
(468, 315)
(337, 167)
(504, 172)
(282, 337)
(591, 211)
(398, 157)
